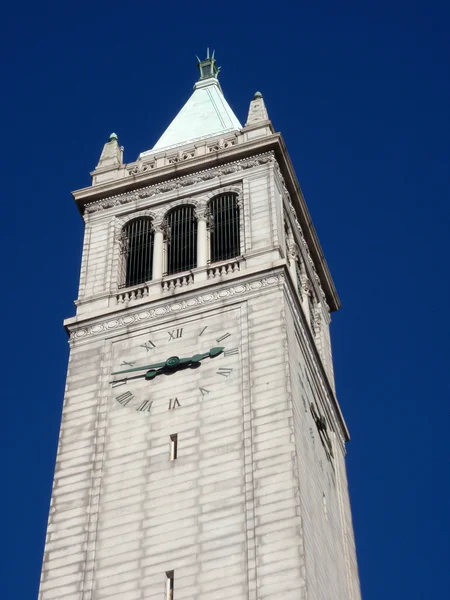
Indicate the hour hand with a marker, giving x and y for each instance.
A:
(211, 354)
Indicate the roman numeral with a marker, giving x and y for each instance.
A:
(224, 371)
(173, 403)
(175, 333)
(223, 337)
(124, 398)
(201, 332)
(145, 406)
(204, 391)
(130, 364)
(148, 346)
(230, 352)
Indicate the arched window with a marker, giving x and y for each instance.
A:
(181, 235)
(224, 214)
(137, 250)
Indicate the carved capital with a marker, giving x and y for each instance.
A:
(292, 250)
(159, 225)
(202, 212)
(317, 316)
(306, 285)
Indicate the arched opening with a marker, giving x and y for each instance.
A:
(181, 238)
(224, 227)
(137, 251)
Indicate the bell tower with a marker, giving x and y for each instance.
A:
(202, 447)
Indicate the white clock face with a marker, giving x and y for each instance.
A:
(178, 365)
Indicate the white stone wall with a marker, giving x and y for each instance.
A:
(252, 507)
(322, 490)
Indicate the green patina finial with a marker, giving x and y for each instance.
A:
(208, 67)
(257, 95)
(112, 137)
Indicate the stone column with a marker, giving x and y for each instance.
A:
(157, 269)
(202, 236)
(292, 255)
(306, 287)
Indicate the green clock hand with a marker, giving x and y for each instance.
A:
(173, 362)
(144, 368)
(211, 354)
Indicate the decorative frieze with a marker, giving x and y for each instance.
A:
(178, 183)
(174, 306)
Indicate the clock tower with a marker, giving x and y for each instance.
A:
(202, 447)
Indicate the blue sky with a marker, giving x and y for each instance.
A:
(361, 93)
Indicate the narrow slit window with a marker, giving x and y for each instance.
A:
(173, 446)
(224, 226)
(170, 580)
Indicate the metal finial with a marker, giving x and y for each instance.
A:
(208, 67)
(113, 136)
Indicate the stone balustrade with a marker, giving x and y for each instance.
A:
(177, 281)
(135, 293)
(225, 268)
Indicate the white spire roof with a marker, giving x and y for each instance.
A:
(205, 114)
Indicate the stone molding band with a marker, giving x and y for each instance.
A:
(175, 306)
(179, 183)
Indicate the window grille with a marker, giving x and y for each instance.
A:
(225, 242)
(137, 250)
(181, 235)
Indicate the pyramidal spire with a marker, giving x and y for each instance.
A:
(205, 114)
(257, 111)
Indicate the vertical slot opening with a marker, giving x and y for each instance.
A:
(173, 446)
(170, 585)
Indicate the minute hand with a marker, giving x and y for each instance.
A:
(212, 353)
(143, 368)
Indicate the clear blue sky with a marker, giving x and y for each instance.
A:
(361, 93)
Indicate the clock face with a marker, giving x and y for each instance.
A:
(177, 366)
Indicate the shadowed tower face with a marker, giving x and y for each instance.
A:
(201, 452)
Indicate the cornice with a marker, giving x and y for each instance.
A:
(145, 178)
(179, 183)
(304, 219)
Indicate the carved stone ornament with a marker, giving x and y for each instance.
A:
(202, 212)
(317, 316)
(174, 306)
(178, 183)
(306, 285)
(302, 237)
(141, 167)
(292, 250)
